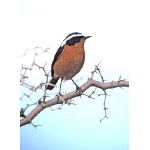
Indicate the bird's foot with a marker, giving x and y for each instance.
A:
(79, 91)
(60, 97)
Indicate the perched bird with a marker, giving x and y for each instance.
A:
(69, 58)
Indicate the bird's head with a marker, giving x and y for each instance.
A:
(74, 38)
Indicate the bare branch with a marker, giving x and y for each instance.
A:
(66, 97)
(105, 116)
(95, 70)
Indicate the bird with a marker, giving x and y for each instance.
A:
(69, 59)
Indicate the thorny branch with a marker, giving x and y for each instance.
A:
(45, 101)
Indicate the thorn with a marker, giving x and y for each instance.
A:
(106, 117)
(39, 101)
(120, 77)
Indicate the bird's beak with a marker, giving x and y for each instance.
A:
(86, 37)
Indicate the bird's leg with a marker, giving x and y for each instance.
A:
(60, 88)
(60, 96)
(78, 89)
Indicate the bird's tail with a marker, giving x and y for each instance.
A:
(53, 81)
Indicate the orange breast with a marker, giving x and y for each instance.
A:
(70, 61)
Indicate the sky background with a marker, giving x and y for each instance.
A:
(45, 24)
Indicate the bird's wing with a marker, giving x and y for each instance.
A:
(57, 55)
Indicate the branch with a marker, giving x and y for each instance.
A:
(41, 106)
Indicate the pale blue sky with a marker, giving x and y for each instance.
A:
(45, 24)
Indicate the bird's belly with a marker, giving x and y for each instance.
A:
(69, 63)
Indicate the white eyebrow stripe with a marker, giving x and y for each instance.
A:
(68, 38)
